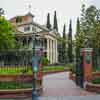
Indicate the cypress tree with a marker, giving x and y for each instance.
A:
(64, 45)
(55, 26)
(77, 33)
(48, 25)
(1, 11)
(77, 26)
(70, 55)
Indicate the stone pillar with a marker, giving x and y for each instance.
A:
(87, 63)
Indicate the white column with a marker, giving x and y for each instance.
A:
(27, 38)
(48, 51)
(51, 51)
(56, 52)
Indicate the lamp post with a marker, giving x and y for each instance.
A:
(36, 64)
(34, 68)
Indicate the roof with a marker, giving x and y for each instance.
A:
(30, 14)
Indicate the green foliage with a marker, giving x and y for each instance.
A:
(15, 71)
(90, 25)
(70, 55)
(1, 11)
(64, 48)
(88, 32)
(55, 25)
(96, 81)
(6, 35)
(48, 22)
(52, 68)
(14, 85)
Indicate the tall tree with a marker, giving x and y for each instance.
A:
(89, 30)
(77, 26)
(64, 54)
(55, 25)
(70, 54)
(48, 25)
(77, 49)
(6, 35)
(1, 11)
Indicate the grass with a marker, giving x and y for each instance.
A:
(52, 68)
(96, 69)
(15, 71)
(14, 85)
(22, 70)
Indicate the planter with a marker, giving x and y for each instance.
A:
(93, 87)
(18, 93)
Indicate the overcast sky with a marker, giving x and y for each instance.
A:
(66, 9)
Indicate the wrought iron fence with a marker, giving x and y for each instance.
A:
(14, 66)
(15, 58)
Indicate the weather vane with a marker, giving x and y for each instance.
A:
(29, 7)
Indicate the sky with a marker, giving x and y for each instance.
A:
(66, 10)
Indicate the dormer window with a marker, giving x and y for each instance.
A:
(27, 28)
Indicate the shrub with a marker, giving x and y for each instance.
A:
(96, 81)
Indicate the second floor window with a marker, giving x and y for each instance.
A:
(27, 28)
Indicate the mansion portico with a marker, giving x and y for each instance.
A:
(25, 30)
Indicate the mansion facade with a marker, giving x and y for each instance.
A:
(26, 30)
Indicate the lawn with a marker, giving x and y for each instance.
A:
(15, 85)
(28, 70)
(52, 68)
(15, 71)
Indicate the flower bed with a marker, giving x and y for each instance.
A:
(93, 87)
(16, 78)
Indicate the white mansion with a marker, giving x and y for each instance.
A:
(26, 29)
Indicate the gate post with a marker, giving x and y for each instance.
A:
(87, 63)
(84, 67)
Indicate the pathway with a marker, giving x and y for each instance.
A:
(59, 85)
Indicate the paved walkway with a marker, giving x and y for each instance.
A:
(59, 85)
